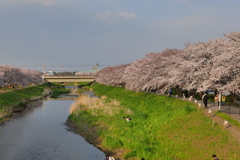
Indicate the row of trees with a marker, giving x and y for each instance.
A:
(13, 76)
(211, 65)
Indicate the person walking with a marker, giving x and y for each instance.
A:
(205, 100)
(169, 92)
(223, 99)
(216, 99)
(106, 158)
(215, 157)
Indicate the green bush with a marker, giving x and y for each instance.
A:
(58, 91)
(229, 99)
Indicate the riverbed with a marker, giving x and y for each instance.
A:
(39, 133)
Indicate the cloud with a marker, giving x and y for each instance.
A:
(19, 2)
(127, 15)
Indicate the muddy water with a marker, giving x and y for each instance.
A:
(39, 133)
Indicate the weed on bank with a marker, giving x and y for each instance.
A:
(17, 98)
(161, 127)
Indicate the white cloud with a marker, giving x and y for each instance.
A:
(127, 15)
(18, 2)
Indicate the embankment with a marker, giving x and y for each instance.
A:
(161, 127)
(15, 101)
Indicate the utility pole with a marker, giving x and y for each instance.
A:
(220, 101)
(43, 70)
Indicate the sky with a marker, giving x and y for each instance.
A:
(74, 35)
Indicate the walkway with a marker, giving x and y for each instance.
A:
(233, 130)
(232, 110)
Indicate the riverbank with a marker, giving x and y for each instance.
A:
(15, 101)
(161, 127)
(38, 133)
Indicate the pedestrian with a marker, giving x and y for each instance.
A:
(106, 158)
(216, 99)
(205, 100)
(223, 99)
(215, 157)
(169, 92)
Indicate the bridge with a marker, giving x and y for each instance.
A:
(69, 78)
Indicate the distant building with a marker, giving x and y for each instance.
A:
(86, 72)
(50, 73)
(93, 71)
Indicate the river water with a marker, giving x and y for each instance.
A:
(39, 133)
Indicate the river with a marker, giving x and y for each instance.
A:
(39, 133)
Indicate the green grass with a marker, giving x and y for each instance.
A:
(58, 91)
(161, 128)
(228, 118)
(15, 98)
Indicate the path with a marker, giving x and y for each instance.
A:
(233, 130)
(231, 110)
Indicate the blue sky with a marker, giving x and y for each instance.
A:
(77, 34)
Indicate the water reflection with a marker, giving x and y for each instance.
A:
(39, 133)
(71, 87)
(90, 94)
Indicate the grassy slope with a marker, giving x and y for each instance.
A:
(12, 99)
(16, 96)
(161, 128)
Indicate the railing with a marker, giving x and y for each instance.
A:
(69, 78)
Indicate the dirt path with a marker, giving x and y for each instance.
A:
(232, 129)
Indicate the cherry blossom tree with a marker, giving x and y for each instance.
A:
(11, 76)
(150, 73)
(1, 78)
(201, 66)
(226, 68)
(111, 75)
(214, 64)
(8, 74)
